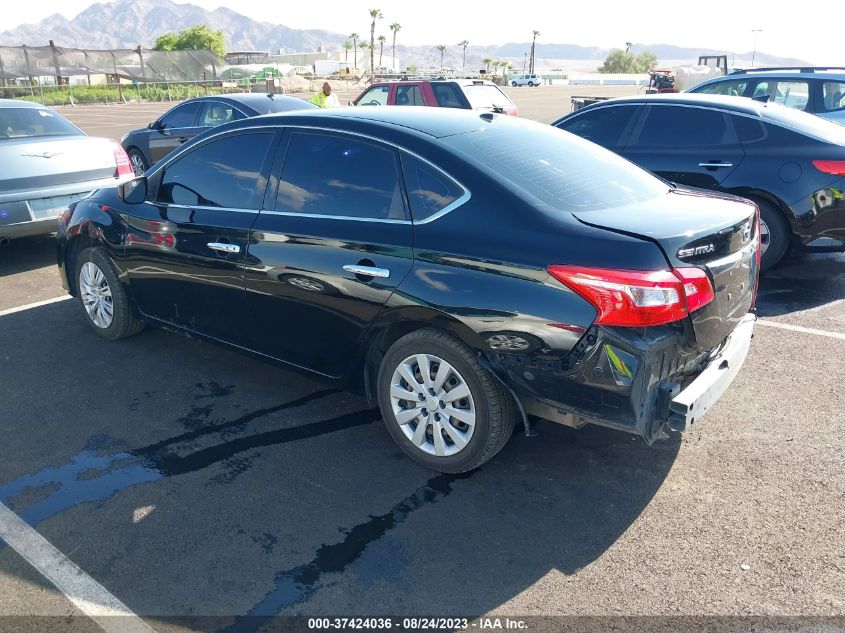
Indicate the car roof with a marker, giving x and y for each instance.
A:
(251, 99)
(19, 103)
(432, 122)
(462, 82)
(748, 106)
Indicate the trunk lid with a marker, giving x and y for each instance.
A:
(44, 162)
(717, 233)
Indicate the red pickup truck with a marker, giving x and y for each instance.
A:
(469, 94)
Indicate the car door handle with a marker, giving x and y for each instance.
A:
(367, 271)
(224, 248)
(715, 164)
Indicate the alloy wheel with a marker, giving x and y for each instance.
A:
(432, 405)
(765, 237)
(96, 295)
(137, 163)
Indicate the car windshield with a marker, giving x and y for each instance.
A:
(562, 170)
(483, 96)
(810, 124)
(32, 122)
(268, 106)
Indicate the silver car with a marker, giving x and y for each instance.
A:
(46, 163)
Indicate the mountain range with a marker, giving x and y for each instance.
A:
(143, 20)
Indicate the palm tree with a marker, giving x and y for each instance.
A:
(464, 44)
(375, 14)
(442, 49)
(347, 45)
(628, 46)
(487, 61)
(395, 27)
(533, 43)
(354, 37)
(381, 39)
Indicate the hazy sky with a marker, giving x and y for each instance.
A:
(810, 31)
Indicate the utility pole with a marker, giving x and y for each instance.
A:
(754, 52)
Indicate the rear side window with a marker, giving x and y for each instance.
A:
(182, 116)
(833, 95)
(795, 94)
(340, 176)
(222, 173)
(447, 96)
(681, 126)
(601, 125)
(729, 88)
(217, 113)
(375, 96)
(29, 122)
(561, 170)
(409, 96)
(484, 96)
(429, 190)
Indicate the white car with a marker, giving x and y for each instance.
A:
(527, 80)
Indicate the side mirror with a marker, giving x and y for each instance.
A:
(154, 125)
(134, 191)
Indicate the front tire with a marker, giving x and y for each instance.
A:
(513, 83)
(439, 404)
(104, 300)
(138, 162)
(530, 84)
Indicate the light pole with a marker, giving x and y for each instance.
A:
(524, 63)
(754, 52)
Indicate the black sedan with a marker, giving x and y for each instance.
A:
(194, 116)
(790, 163)
(468, 272)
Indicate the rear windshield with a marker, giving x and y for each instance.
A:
(483, 96)
(33, 122)
(805, 123)
(562, 170)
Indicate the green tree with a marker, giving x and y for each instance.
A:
(191, 39)
(395, 27)
(346, 46)
(487, 61)
(464, 45)
(618, 61)
(381, 39)
(354, 37)
(442, 49)
(375, 14)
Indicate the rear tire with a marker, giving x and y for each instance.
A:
(513, 83)
(104, 300)
(461, 433)
(530, 84)
(774, 233)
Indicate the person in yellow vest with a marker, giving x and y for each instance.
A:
(325, 98)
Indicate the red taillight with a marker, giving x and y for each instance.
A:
(637, 298)
(122, 166)
(835, 167)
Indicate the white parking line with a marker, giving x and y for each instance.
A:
(84, 592)
(798, 328)
(37, 304)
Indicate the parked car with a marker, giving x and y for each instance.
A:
(791, 164)
(46, 163)
(194, 116)
(467, 94)
(526, 80)
(462, 270)
(818, 91)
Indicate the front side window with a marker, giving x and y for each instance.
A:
(340, 176)
(833, 95)
(603, 125)
(182, 116)
(375, 96)
(222, 173)
(410, 95)
(429, 190)
(682, 126)
(729, 88)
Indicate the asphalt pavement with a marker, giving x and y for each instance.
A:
(208, 491)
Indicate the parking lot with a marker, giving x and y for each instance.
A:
(207, 490)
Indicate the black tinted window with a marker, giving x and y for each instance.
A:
(429, 189)
(673, 126)
(341, 176)
(447, 96)
(222, 173)
(601, 125)
(748, 129)
(182, 116)
(409, 95)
